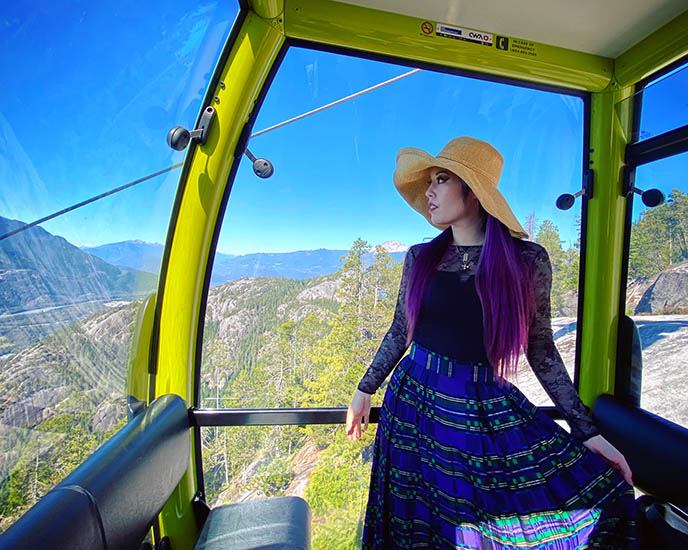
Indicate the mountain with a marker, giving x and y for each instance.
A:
(268, 342)
(394, 246)
(38, 270)
(62, 398)
(133, 254)
(301, 264)
(47, 283)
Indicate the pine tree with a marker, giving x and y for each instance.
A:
(548, 237)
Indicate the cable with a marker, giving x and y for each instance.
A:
(261, 132)
(342, 100)
(88, 201)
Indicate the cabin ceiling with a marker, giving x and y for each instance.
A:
(602, 27)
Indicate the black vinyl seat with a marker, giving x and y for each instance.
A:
(111, 499)
(655, 448)
(276, 523)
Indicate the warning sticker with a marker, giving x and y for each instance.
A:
(427, 27)
(459, 33)
(516, 45)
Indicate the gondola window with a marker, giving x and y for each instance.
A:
(308, 261)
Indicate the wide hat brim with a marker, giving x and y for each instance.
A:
(475, 162)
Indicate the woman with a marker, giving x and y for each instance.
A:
(462, 459)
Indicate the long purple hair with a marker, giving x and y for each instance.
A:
(506, 314)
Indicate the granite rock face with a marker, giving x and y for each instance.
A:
(668, 293)
(665, 364)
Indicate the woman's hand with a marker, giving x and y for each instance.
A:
(358, 410)
(600, 446)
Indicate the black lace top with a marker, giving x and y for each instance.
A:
(459, 266)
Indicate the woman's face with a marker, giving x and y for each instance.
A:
(446, 201)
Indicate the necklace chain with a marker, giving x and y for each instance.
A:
(465, 262)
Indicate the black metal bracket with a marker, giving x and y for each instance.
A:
(650, 197)
(588, 183)
(628, 181)
(200, 508)
(179, 137)
(565, 201)
(204, 125)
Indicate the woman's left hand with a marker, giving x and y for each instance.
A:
(600, 446)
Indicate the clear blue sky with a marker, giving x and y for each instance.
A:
(91, 90)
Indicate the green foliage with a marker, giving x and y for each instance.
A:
(565, 264)
(338, 492)
(82, 367)
(287, 351)
(47, 459)
(659, 237)
(273, 479)
(341, 476)
(310, 359)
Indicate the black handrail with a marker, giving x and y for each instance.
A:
(288, 417)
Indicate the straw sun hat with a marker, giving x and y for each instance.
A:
(476, 162)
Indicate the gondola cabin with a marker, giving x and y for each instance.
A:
(201, 246)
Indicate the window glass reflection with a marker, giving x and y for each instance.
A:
(89, 93)
(660, 110)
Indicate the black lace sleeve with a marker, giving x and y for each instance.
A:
(544, 357)
(393, 345)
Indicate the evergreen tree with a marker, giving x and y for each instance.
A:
(659, 237)
(548, 237)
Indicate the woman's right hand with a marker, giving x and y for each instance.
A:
(359, 410)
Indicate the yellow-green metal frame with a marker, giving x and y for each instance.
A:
(264, 30)
(252, 55)
(604, 243)
(401, 36)
(611, 122)
(651, 54)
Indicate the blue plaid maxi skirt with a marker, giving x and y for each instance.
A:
(462, 460)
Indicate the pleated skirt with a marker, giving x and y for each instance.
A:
(462, 460)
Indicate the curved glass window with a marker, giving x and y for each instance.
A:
(657, 287)
(89, 92)
(308, 262)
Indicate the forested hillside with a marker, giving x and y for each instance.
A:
(312, 350)
(61, 399)
(314, 356)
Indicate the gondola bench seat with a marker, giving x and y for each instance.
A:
(111, 500)
(275, 523)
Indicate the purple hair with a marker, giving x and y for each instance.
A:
(506, 314)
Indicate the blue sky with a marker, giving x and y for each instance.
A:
(91, 91)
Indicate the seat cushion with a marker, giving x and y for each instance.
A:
(282, 523)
